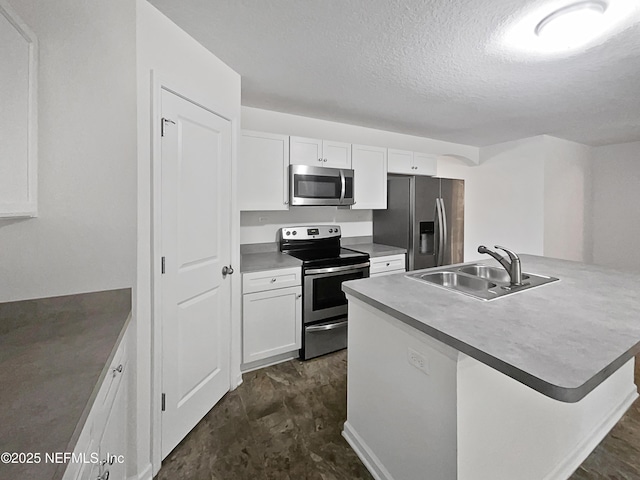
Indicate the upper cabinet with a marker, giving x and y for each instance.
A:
(18, 124)
(370, 177)
(412, 163)
(319, 153)
(263, 164)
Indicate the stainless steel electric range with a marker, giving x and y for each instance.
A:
(325, 265)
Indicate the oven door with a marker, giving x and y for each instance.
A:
(320, 186)
(323, 297)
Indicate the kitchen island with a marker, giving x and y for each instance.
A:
(445, 386)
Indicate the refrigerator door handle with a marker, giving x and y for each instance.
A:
(436, 246)
(443, 216)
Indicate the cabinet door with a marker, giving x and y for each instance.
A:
(263, 171)
(370, 177)
(272, 323)
(114, 438)
(336, 154)
(424, 164)
(401, 161)
(305, 151)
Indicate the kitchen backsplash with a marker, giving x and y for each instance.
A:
(260, 227)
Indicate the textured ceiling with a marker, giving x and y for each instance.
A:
(433, 68)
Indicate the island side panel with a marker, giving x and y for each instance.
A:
(507, 430)
(401, 421)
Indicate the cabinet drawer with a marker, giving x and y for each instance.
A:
(270, 279)
(387, 264)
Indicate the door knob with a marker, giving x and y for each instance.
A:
(227, 270)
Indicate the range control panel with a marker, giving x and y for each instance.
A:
(310, 233)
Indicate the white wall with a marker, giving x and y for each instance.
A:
(567, 185)
(258, 227)
(529, 195)
(84, 237)
(616, 201)
(179, 61)
(504, 196)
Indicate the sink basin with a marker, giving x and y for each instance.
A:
(456, 281)
(494, 274)
(479, 281)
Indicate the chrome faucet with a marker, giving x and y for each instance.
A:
(513, 269)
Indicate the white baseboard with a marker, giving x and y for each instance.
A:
(584, 449)
(370, 460)
(267, 362)
(146, 474)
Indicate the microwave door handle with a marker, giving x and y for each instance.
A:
(343, 184)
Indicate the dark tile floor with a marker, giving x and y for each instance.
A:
(284, 423)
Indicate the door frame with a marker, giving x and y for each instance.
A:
(158, 84)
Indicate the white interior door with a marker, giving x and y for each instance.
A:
(196, 298)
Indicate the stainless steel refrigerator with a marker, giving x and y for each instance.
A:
(425, 215)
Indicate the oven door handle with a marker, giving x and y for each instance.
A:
(317, 271)
(330, 326)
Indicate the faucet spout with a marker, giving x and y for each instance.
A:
(513, 268)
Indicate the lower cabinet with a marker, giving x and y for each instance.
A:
(271, 316)
(101, 450)
(387, 265)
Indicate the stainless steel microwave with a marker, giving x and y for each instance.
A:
(320, 186)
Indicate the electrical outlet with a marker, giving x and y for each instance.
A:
(418, 360)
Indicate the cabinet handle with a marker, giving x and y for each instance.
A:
(117, 370)
(104, 476)
(319, 159)
(273, 280)
(325, 159)
(299, 295)
(388, 264)
(286, 202)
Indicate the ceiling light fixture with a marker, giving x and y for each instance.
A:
(573, 25)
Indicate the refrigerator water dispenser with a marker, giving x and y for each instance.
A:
(426, 238)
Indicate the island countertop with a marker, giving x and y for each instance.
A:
(562, 339)
(54, 353)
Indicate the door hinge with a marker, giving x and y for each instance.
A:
(162, 122)
(163, 265)
(163, 402)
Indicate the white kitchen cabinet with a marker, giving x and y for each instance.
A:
(387, 265)
(370, 177)
(319, 153)
(18, 123)
(271, 313)
(412, 163)
(102, 444)
(263, 171)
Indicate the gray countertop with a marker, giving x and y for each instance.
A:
(375, 249)
(562, 339)
(255, 262)
(54, 353)
(259, 257)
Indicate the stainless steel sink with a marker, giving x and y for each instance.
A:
(480, 281)
(457, 281)
(490, 273)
